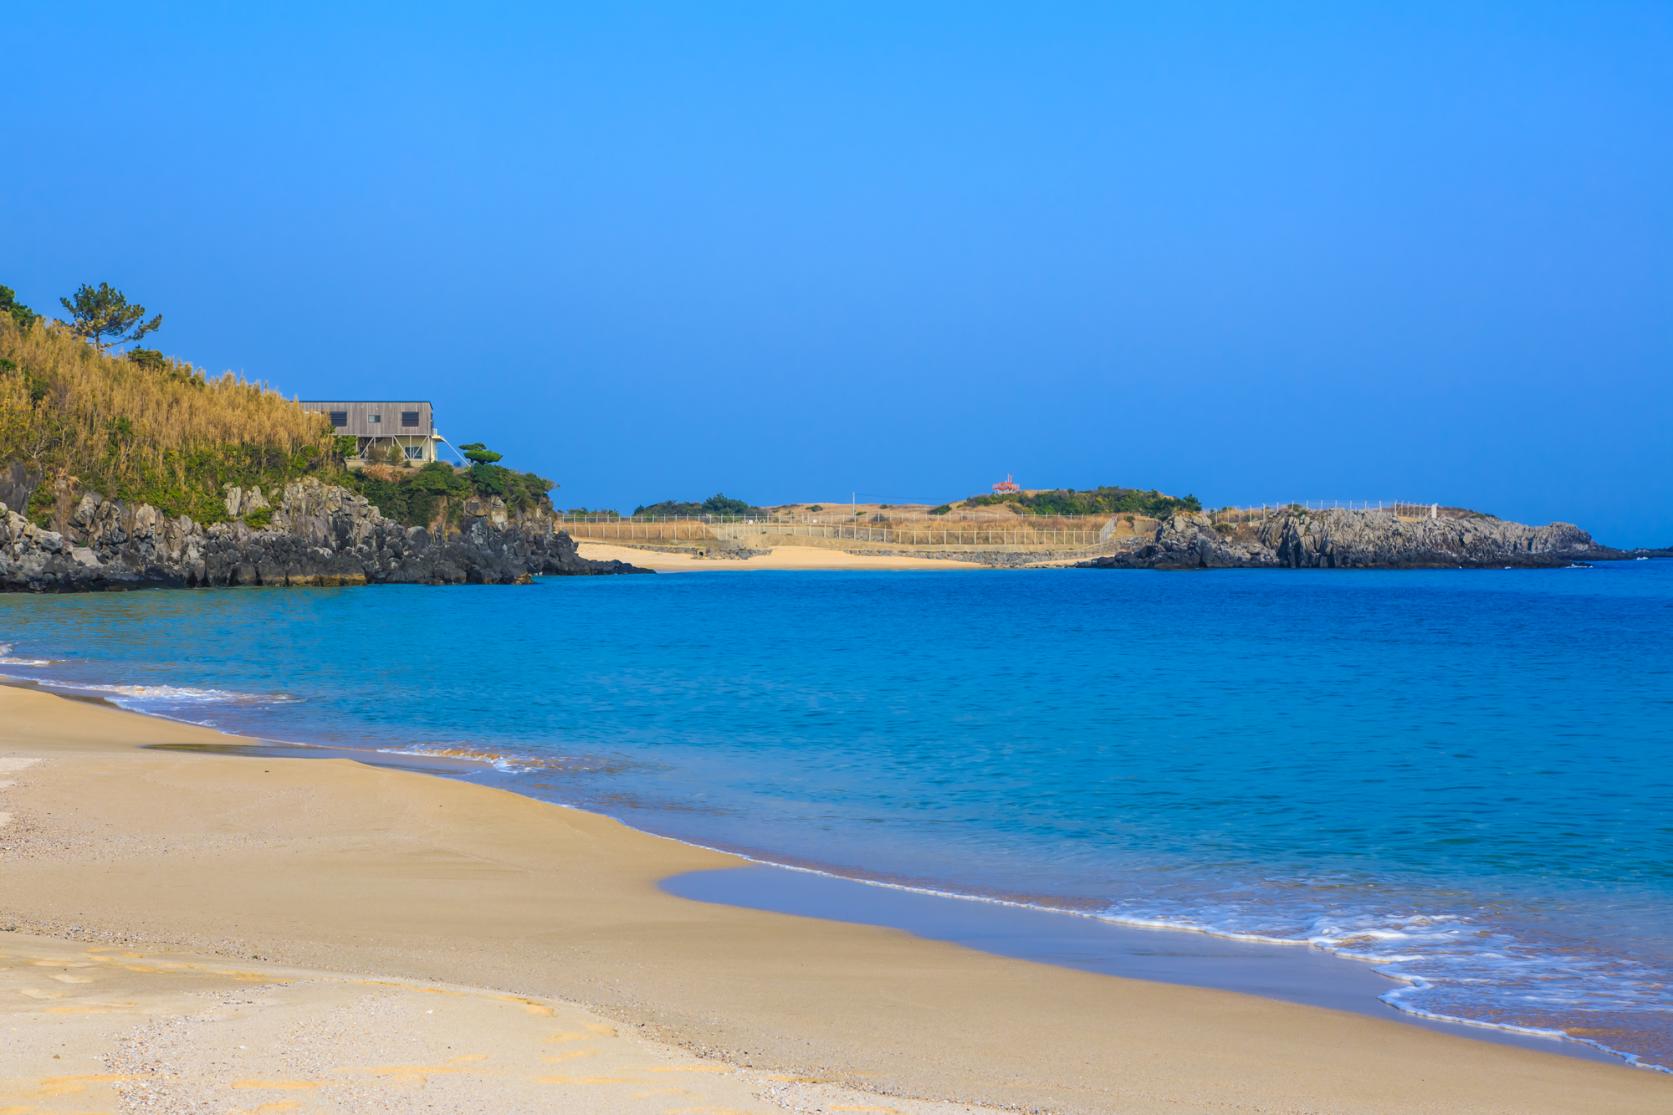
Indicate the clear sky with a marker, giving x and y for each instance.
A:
(1257, 252)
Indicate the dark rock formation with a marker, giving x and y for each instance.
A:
(17, 484)
(316, 535)
(1353, 540)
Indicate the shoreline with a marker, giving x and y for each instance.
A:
(469, 765)
(456, 764)
(730, 982)
(1118, 955)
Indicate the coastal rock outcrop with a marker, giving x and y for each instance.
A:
(310, 534)
(1339, 539)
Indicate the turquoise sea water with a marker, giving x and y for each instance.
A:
(1463, 778)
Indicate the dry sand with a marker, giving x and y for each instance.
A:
(208, 932)
(111, 1028)
(779, 557)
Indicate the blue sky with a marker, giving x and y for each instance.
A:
(1254, 251)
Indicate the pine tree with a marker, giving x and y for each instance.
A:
(103, 317)
(23, 315)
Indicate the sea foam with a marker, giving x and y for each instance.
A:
(159, 696)
(1458, 968)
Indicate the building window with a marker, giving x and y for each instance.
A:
(375, 419)
(339, 418)
(415, 452)
(409, 418)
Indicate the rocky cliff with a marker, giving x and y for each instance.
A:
(312, 534)
(1352, 539)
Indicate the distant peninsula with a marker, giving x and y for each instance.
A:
(1102, 528)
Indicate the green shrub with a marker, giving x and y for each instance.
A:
(1097, 501)
(717, 504)
(415, 499)
(259, 519)
(41, 508)
(437, 491)
(521, 491)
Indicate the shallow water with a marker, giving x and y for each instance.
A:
(1088, 942)
(1462, 778)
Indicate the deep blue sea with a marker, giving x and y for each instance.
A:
(1463, 778)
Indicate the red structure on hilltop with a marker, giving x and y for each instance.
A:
(1006, 486)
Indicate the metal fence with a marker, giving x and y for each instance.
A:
(832, 516)
(954, 530)
(1404, 509)
(953, 535)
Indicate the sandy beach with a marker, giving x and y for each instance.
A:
(780, 557)
(194, 930)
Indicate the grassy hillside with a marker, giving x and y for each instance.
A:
(144, 427)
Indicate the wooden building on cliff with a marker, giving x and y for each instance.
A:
(408, 428)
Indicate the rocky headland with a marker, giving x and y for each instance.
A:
(1292, 538)
(310, 533)
(313, 533)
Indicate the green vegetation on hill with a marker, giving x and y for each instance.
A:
(1097, 501)
(413, 496)
(145, 428)
(22, 316)
(436, 492)
(717, 504)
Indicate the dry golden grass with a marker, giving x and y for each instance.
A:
(162, 432)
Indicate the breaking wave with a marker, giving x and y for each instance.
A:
(165, 696)
(1460, 968)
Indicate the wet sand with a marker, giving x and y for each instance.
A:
(339, 873)
(1295, 974)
